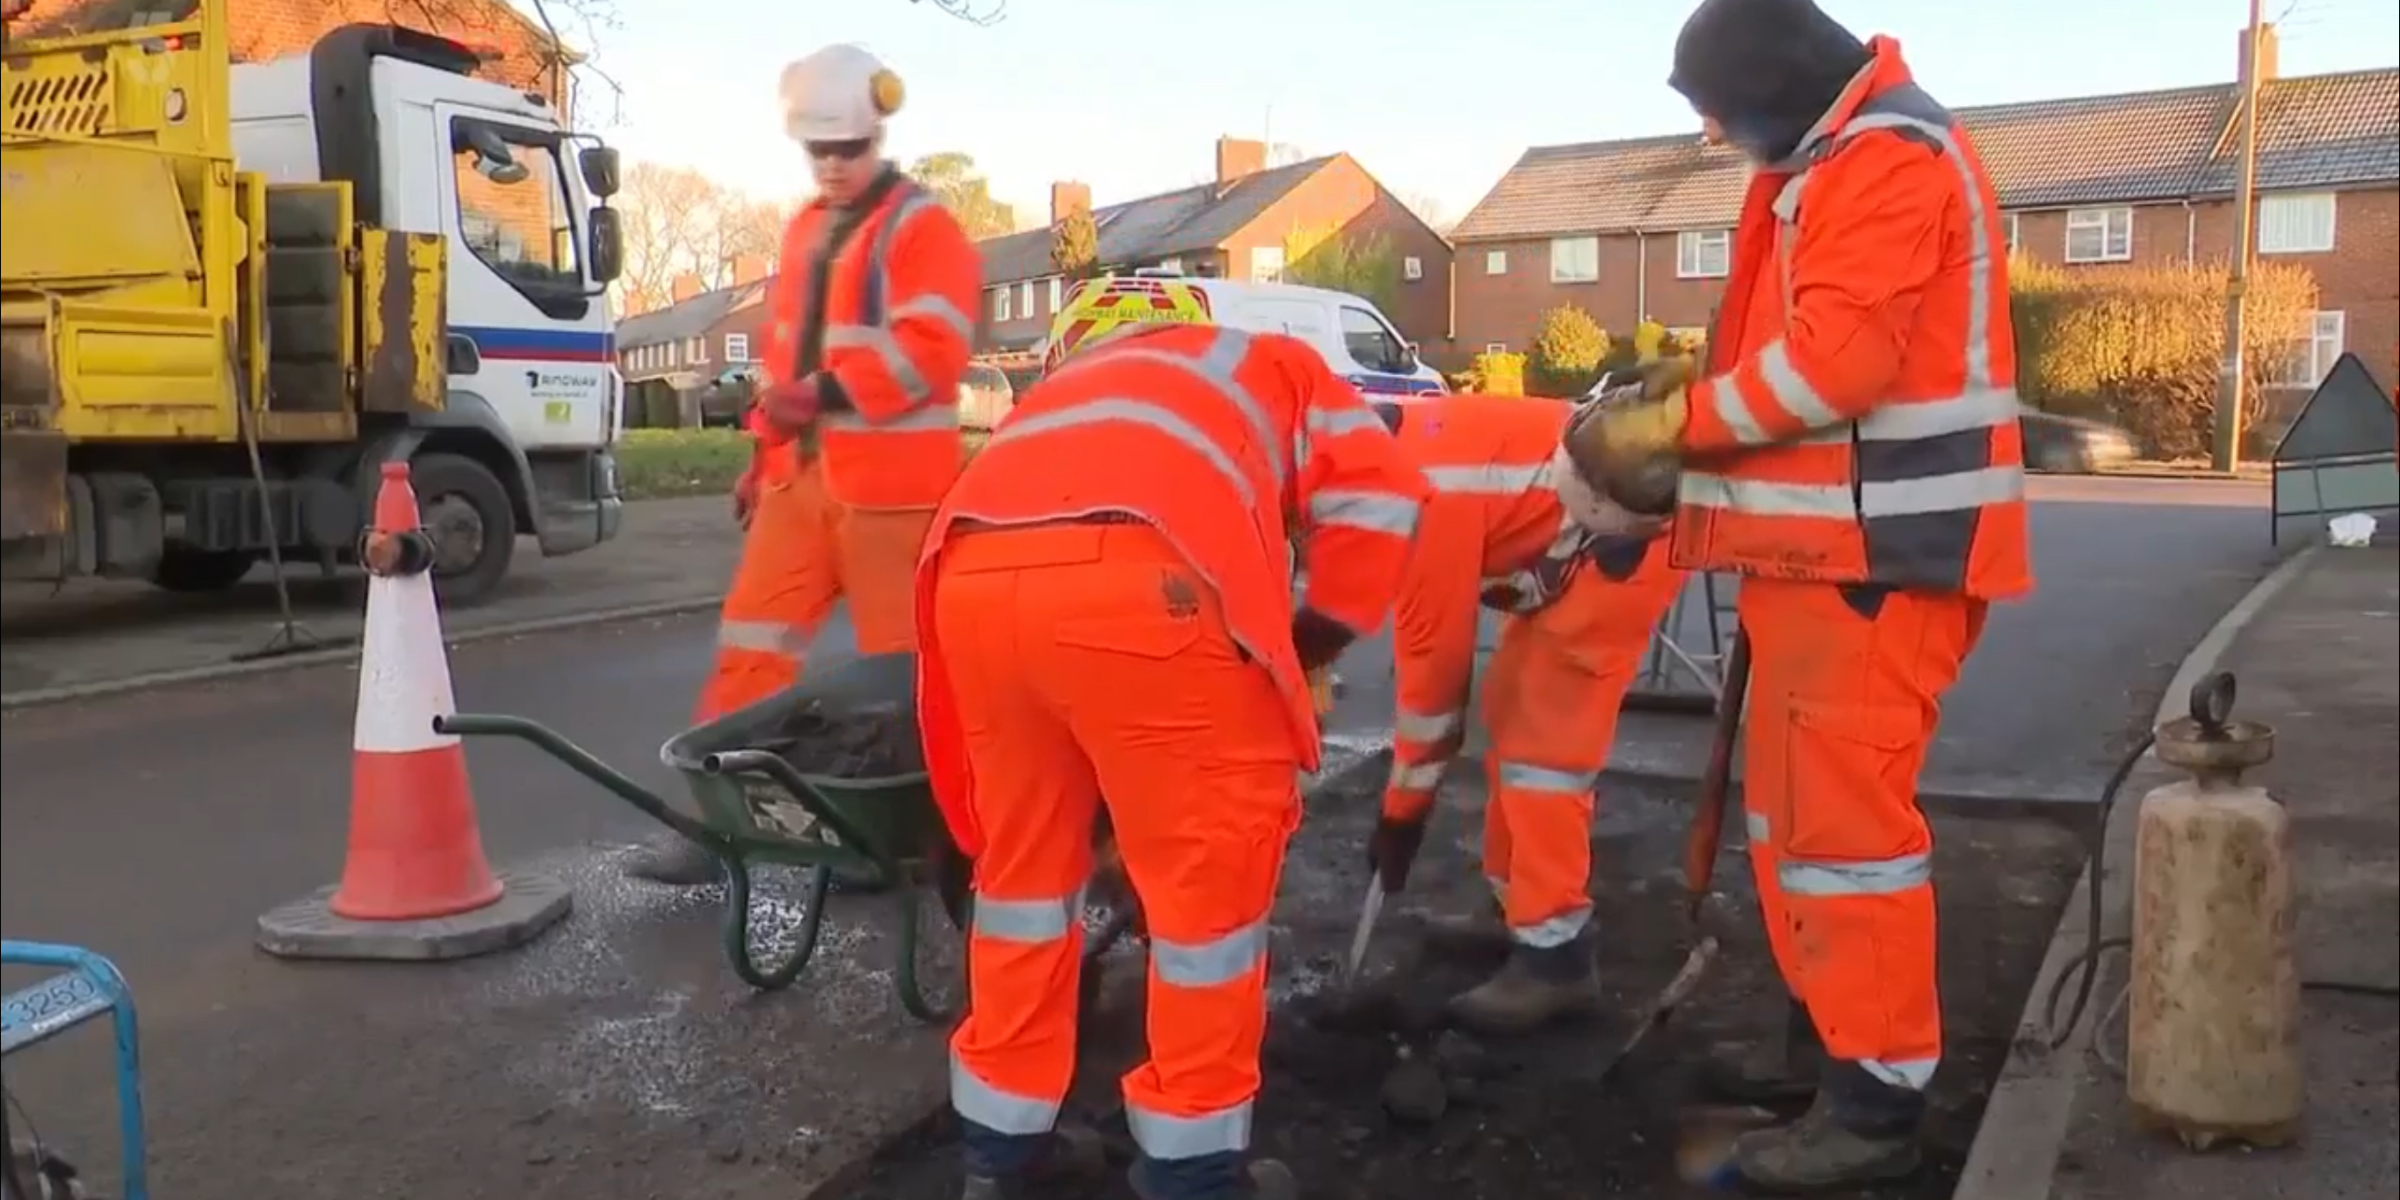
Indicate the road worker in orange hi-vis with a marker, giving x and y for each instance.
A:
(1581, 609)
(1105, 608)
(856, 424)
(1851, 450)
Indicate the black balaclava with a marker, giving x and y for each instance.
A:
(1765, 70)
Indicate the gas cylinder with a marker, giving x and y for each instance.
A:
(2213, 1034)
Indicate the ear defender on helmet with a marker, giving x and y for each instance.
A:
(885, 92)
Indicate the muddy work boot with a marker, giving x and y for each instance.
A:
(1781, 1068)
(1070, 1161)
(1534, 988)
(675, 861)
(1257, 1179)
(1860, 1131)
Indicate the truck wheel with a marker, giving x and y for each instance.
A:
(474, 527)
(184, 569)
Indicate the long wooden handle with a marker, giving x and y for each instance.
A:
(1707, 834)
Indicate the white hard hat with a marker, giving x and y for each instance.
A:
(838, 94)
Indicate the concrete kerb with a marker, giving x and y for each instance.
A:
(2015, 1155)
(343, 650)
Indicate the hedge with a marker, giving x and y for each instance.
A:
(658, 464)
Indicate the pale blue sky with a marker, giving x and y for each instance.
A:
(1437, 98)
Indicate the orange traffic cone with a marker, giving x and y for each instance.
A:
(415, 883)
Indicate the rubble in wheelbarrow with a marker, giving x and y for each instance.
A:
(855, 744)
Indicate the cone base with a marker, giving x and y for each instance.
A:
(415, 852)
(308, 928)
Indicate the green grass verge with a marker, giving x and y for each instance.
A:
(659, 464)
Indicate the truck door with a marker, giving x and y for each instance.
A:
(518, 294)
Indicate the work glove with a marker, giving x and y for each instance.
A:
(1392, 848)
(1319, 639)
(1623, 444)
(791, 407)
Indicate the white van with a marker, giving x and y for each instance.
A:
(1357, 340)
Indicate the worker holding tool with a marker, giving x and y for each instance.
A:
(1581, 610)
(856, 424)
(1852, 451)
(1105, 608)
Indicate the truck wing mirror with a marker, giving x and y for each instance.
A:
(602, 174)
(608, 244)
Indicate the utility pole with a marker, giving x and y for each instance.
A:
(2233, 384)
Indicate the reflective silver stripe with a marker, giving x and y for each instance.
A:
(1427, 727)
(940, 309)
(1980, 408)
(1371, 511)
(1418, 777)
(1335, 424)
(1912, 497)
(1166, 1138)
(765, 637)
(1556, 931)
(923, 418)
(1756, 828)
(1213, 963)
(1547, 779)
(1131, 412)
(1215, 366)
(1030, 922)
(997, 1110)
(878, 339)
(1489, 479)
(1886, 877)
(1914, 1074)
(1791, 392)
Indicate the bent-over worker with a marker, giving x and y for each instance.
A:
(1581, 609)
(1853, 453)
(856, 425)
(1105, 609)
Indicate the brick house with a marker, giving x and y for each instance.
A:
(671, 355)
(1628, 229)
(1233, 226)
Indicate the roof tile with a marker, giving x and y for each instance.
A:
(1179, 222)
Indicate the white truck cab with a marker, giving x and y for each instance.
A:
(1357, 340)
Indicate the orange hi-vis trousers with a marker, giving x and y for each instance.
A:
(803, 553)
(1550, 699)
(1845, 692)
(1089, 660)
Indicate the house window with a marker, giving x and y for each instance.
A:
(1172, 266)
(1412, 268)
(1266, 264)
(695, 350)
(737, 347)
(2098, 235)
(2008, 227)
(1057, 289)
(1495, 347)
(1703, 253)
(1575, 260)
(2301, 224)
(1000, 297)
(1025, 299)
(2320, 342)
(1495, 262)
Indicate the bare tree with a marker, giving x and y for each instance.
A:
(973, 12)
(665, 210)
(1429, 210)
(736, 226)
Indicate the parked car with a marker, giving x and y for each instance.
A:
(2063, 445)
(984, 396)
(725, 399)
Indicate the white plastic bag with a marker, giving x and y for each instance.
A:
(2351, 530)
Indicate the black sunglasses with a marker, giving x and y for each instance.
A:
(847, 148)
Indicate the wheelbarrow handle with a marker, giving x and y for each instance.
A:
(582, 762)
(773, 766)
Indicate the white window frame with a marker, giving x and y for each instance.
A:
(2297, 223)
(1495, 262)
(1266, 264)
(1495, 347)
(2012, 229)
(1000, 298)
(2327, 336)
(1566, 255)
(1412, 269)
(697, 348)
(2106, 221)
(1025, 299)
(1058, 287)
(737, 348)
(1694, 248)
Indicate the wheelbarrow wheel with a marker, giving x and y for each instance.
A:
(737, 927)
(906, 977)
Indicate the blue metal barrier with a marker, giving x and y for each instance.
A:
(87, 985)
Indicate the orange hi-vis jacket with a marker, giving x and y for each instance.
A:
(1859, 420)
(1226, 442)
(1493, 531)
(892, 332)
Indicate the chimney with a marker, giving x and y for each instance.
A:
(2269, 52)
(746, 268)
(1069, 197)
(1237, 157)
(687, 285)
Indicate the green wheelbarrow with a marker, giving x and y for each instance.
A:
(827, 776)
